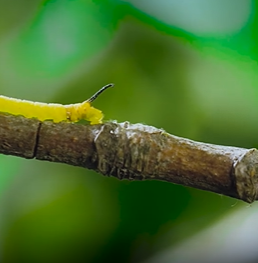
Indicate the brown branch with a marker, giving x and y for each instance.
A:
(135, 152)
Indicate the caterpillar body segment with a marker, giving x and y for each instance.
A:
(30, 109)
(54, 111)
(83, 111)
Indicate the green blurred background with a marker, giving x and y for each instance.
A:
(189, 67)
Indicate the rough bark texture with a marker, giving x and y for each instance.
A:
(135, 152)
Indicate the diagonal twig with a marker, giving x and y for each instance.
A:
(135, 152)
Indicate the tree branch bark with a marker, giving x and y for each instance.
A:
(135, 152)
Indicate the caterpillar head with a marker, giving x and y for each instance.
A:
(91, 114)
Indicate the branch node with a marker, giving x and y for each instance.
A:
(246, 176)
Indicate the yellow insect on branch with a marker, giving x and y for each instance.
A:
(124, 150)
(54, 111)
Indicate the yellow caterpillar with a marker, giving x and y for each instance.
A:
(54, 111)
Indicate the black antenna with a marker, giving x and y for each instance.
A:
(92, 98)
